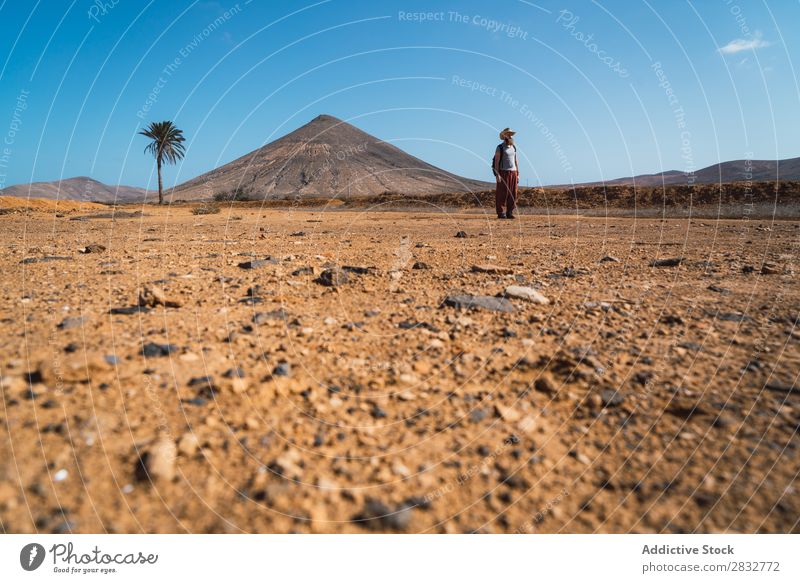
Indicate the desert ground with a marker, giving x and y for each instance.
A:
(313, 370)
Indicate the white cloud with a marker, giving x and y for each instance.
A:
(744, 44)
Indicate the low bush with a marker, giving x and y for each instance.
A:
(237, 194)
(206, 209)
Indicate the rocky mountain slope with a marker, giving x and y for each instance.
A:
(327, 157)
(80, 188)
(732, 171)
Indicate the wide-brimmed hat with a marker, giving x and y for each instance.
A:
(507, 133)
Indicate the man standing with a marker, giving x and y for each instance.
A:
(506, 171)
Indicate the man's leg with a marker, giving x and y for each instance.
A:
(500, 197)
(511, 196)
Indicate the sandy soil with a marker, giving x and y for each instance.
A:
(640, 398)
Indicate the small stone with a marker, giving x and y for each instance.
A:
(526, 293)
(188, 444)
(527, 424)
(127, 311)
(45, 259)
(288, 465)
(492, 269)
(611, 398)
(283, 369)
(375, 515)
(406, 395)
(333, 277)
(609, 259)
(204, 386)
(256, 263)
(399, 469)
(582, 458)
(239, 385)
(770, 269)
(507, 413)
(151, 296)
(232, 373)
(357, 269)
(545, 384)
(730, 316)
(668, 262)
(465, 301)
(92, 248)
(723, 421)
(477, 415)
(69, 323)
(60, 475)
(201, 381)
(274, 315)
(158, 461)
(154, 350)
(420, 265)
(64, 527)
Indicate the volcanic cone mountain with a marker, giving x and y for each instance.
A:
(326, 157)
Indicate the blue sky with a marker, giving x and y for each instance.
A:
(596, 90)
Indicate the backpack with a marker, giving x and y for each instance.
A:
(491, 162)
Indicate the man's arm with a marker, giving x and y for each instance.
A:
(497, 164)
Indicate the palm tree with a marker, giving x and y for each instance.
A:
(166, 146)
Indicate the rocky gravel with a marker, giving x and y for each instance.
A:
(305, 371)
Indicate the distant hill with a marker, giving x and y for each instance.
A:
(765, 199)
(733, 171)
(80, 188)
(326, 157)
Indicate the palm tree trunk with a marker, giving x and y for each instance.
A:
(160, 186)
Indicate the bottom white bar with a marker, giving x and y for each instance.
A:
(400, 558)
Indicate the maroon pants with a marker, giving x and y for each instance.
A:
(505, 197)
